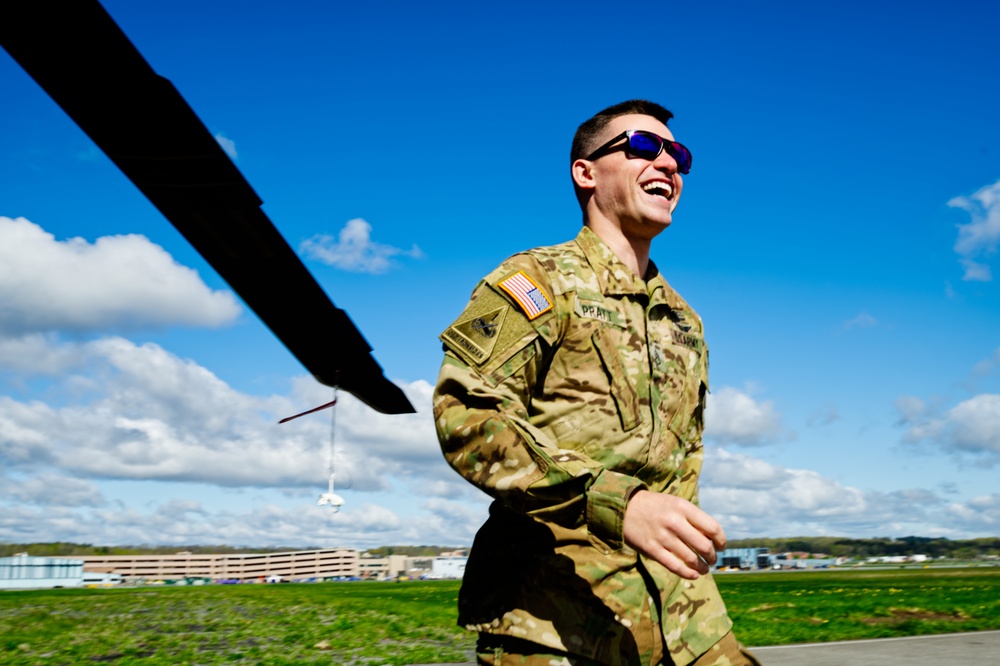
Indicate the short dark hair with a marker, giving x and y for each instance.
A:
(587, 134)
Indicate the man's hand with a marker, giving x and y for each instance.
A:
(674, 532)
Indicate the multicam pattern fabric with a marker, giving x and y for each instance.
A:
(727, 652)
(562, 418)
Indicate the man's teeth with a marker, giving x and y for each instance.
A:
(660, 189)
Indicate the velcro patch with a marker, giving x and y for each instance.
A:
(599, 312)
(688, 340)
(527, 294)
(488, 331)
(478, 335)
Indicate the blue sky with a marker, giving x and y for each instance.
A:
(838, 234)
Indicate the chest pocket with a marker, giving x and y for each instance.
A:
(622, 388)
(677, 361)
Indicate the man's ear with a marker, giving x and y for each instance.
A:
(583, 174)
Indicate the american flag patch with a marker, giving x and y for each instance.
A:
(526, 293)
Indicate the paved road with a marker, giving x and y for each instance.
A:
(979, 648)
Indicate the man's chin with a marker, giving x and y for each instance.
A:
(659, 222)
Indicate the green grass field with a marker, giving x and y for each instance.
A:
(414, 622)
(802, 607)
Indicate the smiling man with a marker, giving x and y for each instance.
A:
(572, 391)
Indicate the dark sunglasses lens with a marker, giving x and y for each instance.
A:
(680, 154)
(646, 146)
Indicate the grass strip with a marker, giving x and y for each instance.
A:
(807, 607)
(362, 624)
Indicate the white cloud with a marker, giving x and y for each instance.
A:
(975, 271)
(115, 282)
(910, 409)
(38, 354)
(354, 250)
(974, 425)
(985, 368)
(981, 236)
(863, 320)
(980, 513)
(970, 428)
(823, 416)
(180, 522)
(228, 145)
(133, 411)
(751, 497)
(988, 365)
(145, 414)
(124, 412)
(734, 416)
(51, 490)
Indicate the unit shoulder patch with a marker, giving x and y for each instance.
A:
(478, 334)
(528, 295)
(487, 327)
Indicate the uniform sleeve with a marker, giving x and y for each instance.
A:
(482, 410)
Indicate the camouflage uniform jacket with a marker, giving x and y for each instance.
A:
(568, 384)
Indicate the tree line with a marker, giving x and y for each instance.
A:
(833, 546)
(878, 547)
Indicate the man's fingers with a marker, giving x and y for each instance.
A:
(695, 556)
(708, 526)
(682, 535)
(675, 565)
(674, 532)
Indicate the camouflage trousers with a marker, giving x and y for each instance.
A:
(492, 650)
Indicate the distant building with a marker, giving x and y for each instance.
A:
(293, 565)
(24, 571)
(744, 558)
(419, 566)
(102, 578)
(381, 567)
(448, 567)
(897, 559)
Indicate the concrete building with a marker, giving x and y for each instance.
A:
(419, 566)
(448, 567)
(381, 568)
(24, 571)
(294, 565)
(101, 579)
(744, 558)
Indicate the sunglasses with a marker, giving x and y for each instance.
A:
(647, 146)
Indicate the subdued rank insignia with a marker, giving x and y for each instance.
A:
(656, 355)
(677, 317)
(478, 335)
(526, 293)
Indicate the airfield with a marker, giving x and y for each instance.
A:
(918, 616)
(981, 647)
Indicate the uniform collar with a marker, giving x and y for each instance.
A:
(612, 274)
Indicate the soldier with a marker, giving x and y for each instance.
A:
(572, 391)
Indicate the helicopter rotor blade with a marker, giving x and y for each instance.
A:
(77, 53)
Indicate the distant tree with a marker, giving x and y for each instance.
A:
(799, 545)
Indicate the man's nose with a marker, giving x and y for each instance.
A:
(665, 162)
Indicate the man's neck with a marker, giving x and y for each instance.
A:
(633, 252)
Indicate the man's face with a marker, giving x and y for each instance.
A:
(636, 195)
